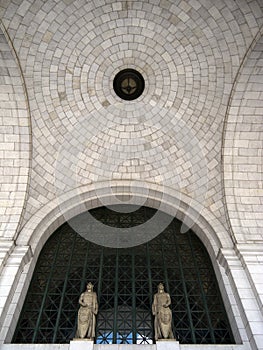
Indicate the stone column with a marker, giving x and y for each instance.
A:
(6, 247)
(251, 256)
(9, 279)
(244, 287)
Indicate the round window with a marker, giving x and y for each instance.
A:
(128, 84)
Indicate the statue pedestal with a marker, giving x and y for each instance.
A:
(81, 344)
(167, 344)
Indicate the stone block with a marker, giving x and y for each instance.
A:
(167, 344)
(81, 344)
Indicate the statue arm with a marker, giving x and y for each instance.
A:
(95, 305)
(154, 305)
(81, 302)
(168, 300)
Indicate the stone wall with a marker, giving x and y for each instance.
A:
(190, 145)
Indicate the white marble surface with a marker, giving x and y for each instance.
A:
(167, 345)
(160, 346)
(123, 347)
(34, 346)
(202, 65)
(81, 344)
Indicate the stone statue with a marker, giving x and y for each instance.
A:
(86, 315)
(163, 314)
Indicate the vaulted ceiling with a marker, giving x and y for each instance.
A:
(195, 128)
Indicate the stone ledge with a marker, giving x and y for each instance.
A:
(167, 344)
(81, 344)
(123, 347)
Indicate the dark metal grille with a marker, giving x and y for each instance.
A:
(125, 281)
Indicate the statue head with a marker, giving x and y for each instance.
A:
(160, 288)
(90, 287)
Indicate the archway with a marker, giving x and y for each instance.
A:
(125, 280)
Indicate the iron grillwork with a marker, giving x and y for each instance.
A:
(125, 281)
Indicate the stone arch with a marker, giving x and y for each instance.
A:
(71, 257)
(15, 139)
(37, 230)
(48, 218)
(242, 171)
(242, 149)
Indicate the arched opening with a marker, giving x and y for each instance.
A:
(125, 280)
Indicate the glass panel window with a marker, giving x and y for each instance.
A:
(125, 281)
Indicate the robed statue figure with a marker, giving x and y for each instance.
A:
(163, 314)
(87, 313)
